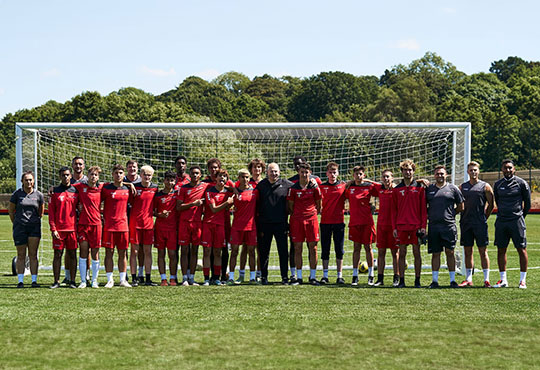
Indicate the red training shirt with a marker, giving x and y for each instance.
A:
(166, 202)
(63, 208)
(212, 195)
(305, 202)
(359, 206)
(245, 204)
(189, 194)
(409, 210)
(333, 202)
(90, 199)
(115, 207)
(142, 206)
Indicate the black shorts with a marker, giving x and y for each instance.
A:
(515, 230)
(337, 231)
(21, 233)
(440, 237)
(475, 232)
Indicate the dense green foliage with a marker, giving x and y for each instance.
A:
(502, 105)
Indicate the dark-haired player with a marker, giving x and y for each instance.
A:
(182, 178)
(385, 233)
(443, 200)
(190, 207)
(479, 203)
(409, 217)
(141, 223)
(315, 181)
(89, 227)
(244, 230)
(304, 204)
(256, 168)
(62, 220)
(513, 198)
(332, 221)
(361, 225)
(115, 196)
(165, 236)
(217, 203)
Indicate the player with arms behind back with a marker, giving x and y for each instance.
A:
(89, 228)
(361, 225)
(115, 196)
(62, 219)
(332, 221)
(479, 203)
(409, 217)
(304, 204)
(165, 235)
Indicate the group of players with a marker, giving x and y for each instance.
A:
(191, 211)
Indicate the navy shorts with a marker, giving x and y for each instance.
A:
(515, 230)
(440, 237)
(475, 232)
(21, 233)
(329, 232)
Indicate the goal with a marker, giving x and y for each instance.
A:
(45, 147)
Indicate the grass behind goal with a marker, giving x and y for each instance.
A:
(275, 326)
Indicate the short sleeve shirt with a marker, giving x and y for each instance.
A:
(27, 207)
(441, 203)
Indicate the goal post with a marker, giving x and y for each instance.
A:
(45, 147)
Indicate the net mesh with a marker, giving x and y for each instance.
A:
(46, 150)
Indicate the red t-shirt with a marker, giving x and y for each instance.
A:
(166, 202)
(333, 202)
(384, 217)
(63, 208)
(181, 181)
(409, 211)
(115, 207)
(212, 195)
(252, 182)
(189, 194)
(359, 206)
(90, 199)
(305, 200)
(296, 178)
(245, 204)
(142, 207)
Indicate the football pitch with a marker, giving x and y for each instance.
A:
(274, 326)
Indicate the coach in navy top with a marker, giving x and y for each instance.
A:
(513, 198)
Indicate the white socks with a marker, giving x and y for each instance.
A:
(231, 275)
(312, 273)
(452, 275)
(522, 275)
(252, 275)
(299, 273)
(370, 271)
(123, 276)
(82, 269)
(435, 276)
(20, 277)
(503, 275)
(293, 271)
(355, 272)
(469, 274)
(95, 270)
(486, 274)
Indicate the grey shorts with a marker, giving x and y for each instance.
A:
(476, 232)
(21, 233)
(515, 230)
(440, 237)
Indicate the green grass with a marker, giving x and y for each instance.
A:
(274, 326)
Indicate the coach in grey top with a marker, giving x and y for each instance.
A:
(443, 200)
(479, 204)
(513, 198)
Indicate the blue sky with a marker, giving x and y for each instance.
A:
(58, 49)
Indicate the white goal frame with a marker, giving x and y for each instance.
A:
(458, 172)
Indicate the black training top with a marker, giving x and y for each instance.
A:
(474, 212)
(27, 207)
(513, 198)
(272, 205)
(441, 202)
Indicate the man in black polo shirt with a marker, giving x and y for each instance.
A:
(272, 220)
(513, 198)
(444, 200)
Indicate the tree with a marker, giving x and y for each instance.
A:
(235, 82)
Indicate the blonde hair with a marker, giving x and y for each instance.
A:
(243, 171)
(147, 169)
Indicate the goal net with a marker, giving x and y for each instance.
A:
(45, 147)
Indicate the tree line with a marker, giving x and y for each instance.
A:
(502, 105)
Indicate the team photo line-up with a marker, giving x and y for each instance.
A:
(191, 211)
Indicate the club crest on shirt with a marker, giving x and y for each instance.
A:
(352, 191)
(113, 194)
(139, 192)
(61, 197)
(189, 191)
(84, 190)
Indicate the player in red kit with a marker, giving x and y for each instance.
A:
(244, 230)
(217, 203)
(141, 223)
(315, 181)
(332, 221)
(62, 220)
(165, 236)
(182, 178)
(256, 168)
(385, 233)
(115, 196)
(304, 204)
(361, 225)
(89, 227)
(409, 217)
(190, 207)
